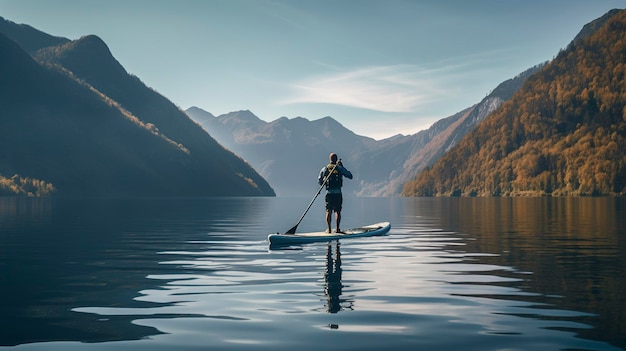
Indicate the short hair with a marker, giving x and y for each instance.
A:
(333, 157)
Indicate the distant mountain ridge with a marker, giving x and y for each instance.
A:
(381, 167)
(288, 152)
(74, 120)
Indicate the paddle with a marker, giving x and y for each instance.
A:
(293, 229)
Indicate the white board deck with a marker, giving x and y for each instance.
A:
(298, 238)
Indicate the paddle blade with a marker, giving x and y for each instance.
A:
(292, 230)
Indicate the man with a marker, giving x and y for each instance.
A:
(335, 171)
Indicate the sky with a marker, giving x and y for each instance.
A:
(379, 67)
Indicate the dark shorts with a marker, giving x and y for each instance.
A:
(334, 202)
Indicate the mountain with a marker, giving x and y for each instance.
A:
(289, 153)
(382, 167)
(408, 155)
(563, 133)
(72, 119)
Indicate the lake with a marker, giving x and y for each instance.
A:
(197, 274)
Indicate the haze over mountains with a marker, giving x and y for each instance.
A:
(283, 154)
(290, 152)
(74, 122)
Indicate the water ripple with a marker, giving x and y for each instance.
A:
(216, 285)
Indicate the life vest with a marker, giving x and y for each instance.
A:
(335, 180)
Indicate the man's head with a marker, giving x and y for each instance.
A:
(333, 158)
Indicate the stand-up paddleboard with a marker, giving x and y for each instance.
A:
(300, 238)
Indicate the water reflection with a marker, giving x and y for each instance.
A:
(471, 274)
(573, 248)
(333, 286)
(59, 255)
(23, 210)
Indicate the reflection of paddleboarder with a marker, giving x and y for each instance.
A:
(332, 278)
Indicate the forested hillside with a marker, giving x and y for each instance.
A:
(563, 133)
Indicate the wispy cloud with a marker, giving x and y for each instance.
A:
(402, 88)
(399, 88)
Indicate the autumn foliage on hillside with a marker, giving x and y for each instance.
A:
(562, 134)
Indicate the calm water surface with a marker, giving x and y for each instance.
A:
(197, 274)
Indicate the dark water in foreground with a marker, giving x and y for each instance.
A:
(197, 274)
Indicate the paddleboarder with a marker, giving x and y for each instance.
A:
(333, 173)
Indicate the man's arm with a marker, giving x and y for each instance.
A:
(344, 172)
(320, 178)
